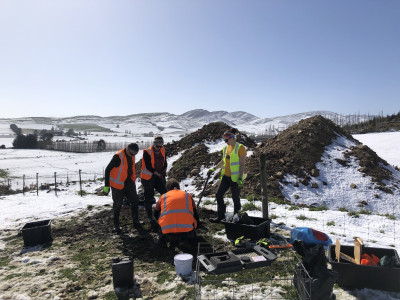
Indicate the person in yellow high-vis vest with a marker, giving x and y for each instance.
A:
(232, 172)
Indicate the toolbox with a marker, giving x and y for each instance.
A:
(236, 260)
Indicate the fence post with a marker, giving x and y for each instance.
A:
(263, 179)
(23, 184)
(55, 182)
(37, 184)
(80, 181)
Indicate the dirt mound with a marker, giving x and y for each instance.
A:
(208, 133)
(294, 151)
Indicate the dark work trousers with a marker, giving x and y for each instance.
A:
(154, 182)
(225, 184)
(129, 191)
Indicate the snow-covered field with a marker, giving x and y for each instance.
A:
(375, 229)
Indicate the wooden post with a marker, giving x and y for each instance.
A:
(263, 179)
(55, 182)
(80, 181)
(37, 184)
(23, 184)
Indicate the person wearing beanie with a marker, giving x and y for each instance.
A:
(153, 173)
(232, 173)
(120, 175)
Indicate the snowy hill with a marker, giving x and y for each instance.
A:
(166, 123)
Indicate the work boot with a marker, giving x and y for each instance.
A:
(117, 229)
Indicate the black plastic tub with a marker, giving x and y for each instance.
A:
(122, 271)
(362, 276)
(37, 233)
(260, 229)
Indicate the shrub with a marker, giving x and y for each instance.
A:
(25, 141)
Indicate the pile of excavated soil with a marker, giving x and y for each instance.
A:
(297, 150)
(294, 151)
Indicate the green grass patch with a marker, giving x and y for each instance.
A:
(68, 273)
(209, 202)
(331, 223)
(273, 216)
(279, 200)
(353, 214)
(343, 209)
(83, 193)
(164, 276)
(303, 217)
(318, 208)
(390, 217)
(294, 207)
(3, 173)
(250, 206)
(365, 212)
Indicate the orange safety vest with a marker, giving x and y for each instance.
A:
(119, 174)
(145, 173)
(177, 213)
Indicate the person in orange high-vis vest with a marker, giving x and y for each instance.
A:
(153, 173)
(120, 175)
(176, 213)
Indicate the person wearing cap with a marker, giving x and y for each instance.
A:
(232, 173)
(176, 214)
(120, 175)
(153, 173)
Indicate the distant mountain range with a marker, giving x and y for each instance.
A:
(185, 123)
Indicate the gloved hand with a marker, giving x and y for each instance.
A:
(240, 183)
(211, 171)
(106, 190)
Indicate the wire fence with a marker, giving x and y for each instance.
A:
(94, 146)
(40, 183)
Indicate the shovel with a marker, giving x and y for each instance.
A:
(204, 188)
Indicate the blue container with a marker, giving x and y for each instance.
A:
(309, 236)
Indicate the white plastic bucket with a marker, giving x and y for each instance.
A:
(183, 264)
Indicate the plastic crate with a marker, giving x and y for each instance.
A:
(37, 233)
(362, 276)
(260, 229)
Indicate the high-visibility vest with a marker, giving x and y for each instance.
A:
(119, 174)
(234, 162)
(176, 212)
(145, 173)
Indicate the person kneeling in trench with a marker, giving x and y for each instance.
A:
(176, 214)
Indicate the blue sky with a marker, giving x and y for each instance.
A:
(266, 57)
